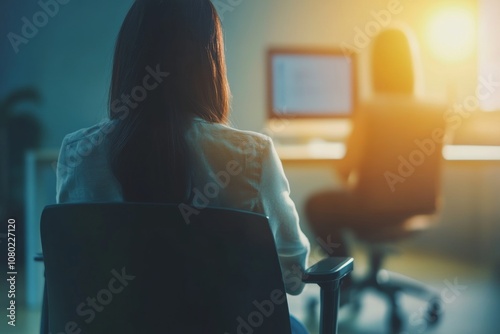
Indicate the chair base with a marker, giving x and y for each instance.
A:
(392, 285)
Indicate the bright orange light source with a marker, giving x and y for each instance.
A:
(452, 34)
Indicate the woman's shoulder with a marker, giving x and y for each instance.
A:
(95, 132)
(231, 135)
(85, 142)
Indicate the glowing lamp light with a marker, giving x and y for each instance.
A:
(452, 34)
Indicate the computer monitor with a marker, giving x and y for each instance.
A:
(311, 83)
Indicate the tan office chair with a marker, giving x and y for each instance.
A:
(393, 161)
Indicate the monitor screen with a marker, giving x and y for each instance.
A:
(310, 84)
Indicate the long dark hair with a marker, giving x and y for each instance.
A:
(168, 67)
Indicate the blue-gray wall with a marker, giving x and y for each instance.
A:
(69, 60)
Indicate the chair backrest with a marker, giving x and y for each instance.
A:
(399, 168)
(140, 268)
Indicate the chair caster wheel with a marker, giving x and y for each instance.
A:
(433, 312)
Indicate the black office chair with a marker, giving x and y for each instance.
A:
(394, 153)
(384, 206)
(140, 268)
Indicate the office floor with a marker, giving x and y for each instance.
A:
(473, 311)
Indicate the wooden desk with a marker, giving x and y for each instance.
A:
(317, 151)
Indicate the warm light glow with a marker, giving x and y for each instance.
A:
(452, 34)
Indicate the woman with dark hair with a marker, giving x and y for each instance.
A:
(166, 139)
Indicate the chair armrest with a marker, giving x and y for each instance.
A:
(328, 270)
(328, 274)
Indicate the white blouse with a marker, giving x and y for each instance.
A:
(234, 169)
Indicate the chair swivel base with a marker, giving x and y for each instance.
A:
(392, 285)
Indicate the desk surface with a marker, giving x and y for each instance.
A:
(321, 150)
(295, 141)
